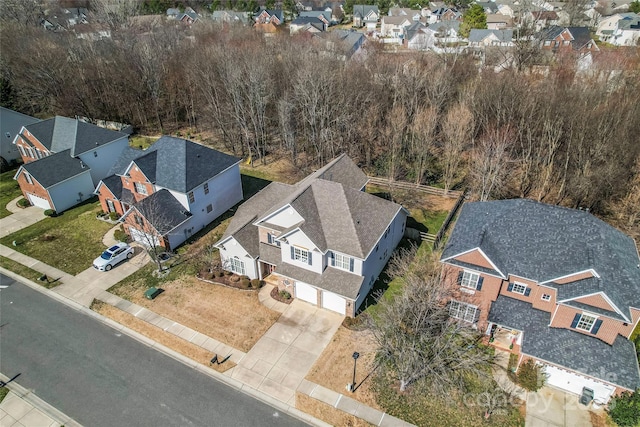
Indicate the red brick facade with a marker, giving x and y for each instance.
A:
(32, 187)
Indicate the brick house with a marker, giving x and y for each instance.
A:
(64, 159)
(323, 240)
(171, 190)
(567, 39)
(552, 284)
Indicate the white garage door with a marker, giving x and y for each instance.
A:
(574, 383)
(333, 302)
(143, 238)
(306, 293)
(38, 201)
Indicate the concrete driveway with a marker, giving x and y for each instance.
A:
(86, 285)
(551, 407)
(281, 359)
(19, 218)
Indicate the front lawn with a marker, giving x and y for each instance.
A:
(69, 242)
(9, 190)
(27, 273)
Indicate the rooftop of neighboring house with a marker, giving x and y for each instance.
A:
(162, 210)
(545, 15)
(630, 23)
(615, 363)
(580, 35)
(337, 215)
(413, 29)
(489, 6)
(444, 26)
(53, 169)
(396, 20)
(495, 18)
(363, 10)
(177, 164)
(11, 123)
(476, 36)
(403, 11)
(62, 133)
(544, 243)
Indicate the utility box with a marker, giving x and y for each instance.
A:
(152, 292)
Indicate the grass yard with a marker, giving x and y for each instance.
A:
(3, 393)
(231, 316)
(9, 190)
(27, 272)
(69, 242)
(142, 142)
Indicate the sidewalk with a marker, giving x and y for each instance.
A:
(22, 408)
(19, 218)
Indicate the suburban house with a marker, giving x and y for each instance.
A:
(342, 44)
(622, 29)
(307, 24)
(171, 190)
(189, 16)
(365, 15)
(551, 284)
(64, 159)
(558, 39)
(274, 17)
(418, 37)
(542, 19)
(324, 240)
(11, 122)
(499, 22)
(445, 14)
(394, 26)
(322, 15)
(230, 17)
(445, 32)
(485, 38)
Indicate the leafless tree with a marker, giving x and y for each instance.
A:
(424, 128)
(457, 129)
(418, 340)
(115, 13)
(490, 162)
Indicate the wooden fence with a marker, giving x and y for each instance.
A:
(403, 185)
(445, 225)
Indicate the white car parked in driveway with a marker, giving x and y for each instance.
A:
(112, 256)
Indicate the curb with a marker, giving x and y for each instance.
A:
(39, 404)
(256, 394)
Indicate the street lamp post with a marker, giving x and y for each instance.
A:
(355, 358)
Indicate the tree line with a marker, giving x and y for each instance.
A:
(419, 117)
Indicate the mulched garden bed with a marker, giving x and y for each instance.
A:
(275, 294)
(230, 280)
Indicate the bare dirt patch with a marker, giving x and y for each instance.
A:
(231, 316)
(183, 347)
(334, 368)
(327, 413)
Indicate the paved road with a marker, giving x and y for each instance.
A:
(102, 378)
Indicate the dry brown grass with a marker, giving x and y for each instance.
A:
(334, 368)
(327, 413)
(175, 343)
(231, 316)
(601, 419)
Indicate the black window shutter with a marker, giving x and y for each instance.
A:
(293, 255)
(333, 260)
(576, 319)
(477, 316)
(510, 287)
(351, 265)
(596, 327)
(479, 285)
(460, 274)
(527, 292)
(309, 258)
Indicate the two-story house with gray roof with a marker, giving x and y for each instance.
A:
(171, 190)
(11, 123)
(551, 284)
(64, 159)
(365, 15)
(324, 240)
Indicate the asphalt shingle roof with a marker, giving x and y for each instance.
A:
(332, 279)
(55, 168)
(123, 162)
(114, 184)
(615, 363)
(543, 242)
(476, 35)
(182, 165)
(11, 122)
(163, 211)
(62, 133)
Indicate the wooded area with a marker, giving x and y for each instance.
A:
(418, 117)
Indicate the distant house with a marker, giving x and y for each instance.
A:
(342, 44)
(324, 240)
(622, 29)
(554, 285)
(485, 38)
(307, 24)
(64, 159)
(274, 17)
(413, 15)
(445, 14)
(171, 190)
(575, 39)
(418, 37)
(543, 19)
(365, 16)
(445, 32)
(489, 7)
(189, 16)
(11, 122)
(394, 26)
(230, 17)
(322, 15)
(499, 22)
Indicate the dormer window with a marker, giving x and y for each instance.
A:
(301, 255)
(586, 322)
(342, 262)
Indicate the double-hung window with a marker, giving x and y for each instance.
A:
(586, 322)
(206, 188)
(236, 266)
(140, 188)
(300, 254)
(470, 280)
(463, 311)
(343, 262)
(192, 197)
